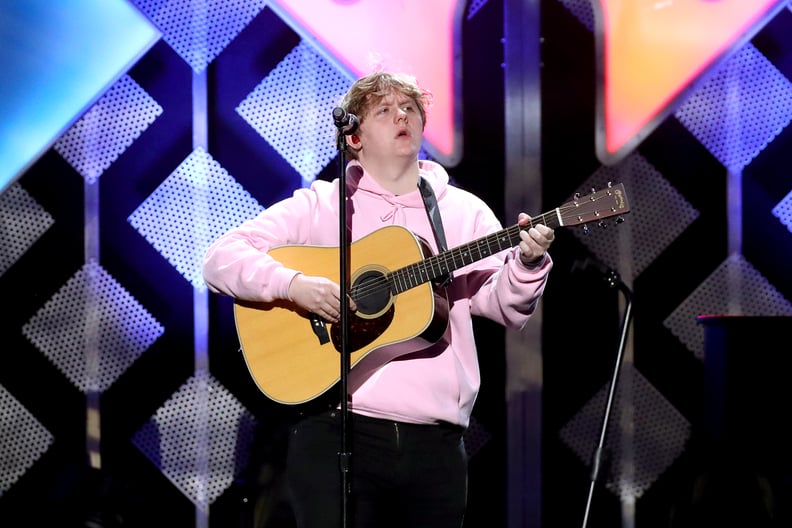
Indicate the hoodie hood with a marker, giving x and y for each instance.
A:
(359, 180)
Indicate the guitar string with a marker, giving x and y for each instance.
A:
(424, 271)
(382, 283)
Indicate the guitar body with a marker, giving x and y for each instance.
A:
(294, 357)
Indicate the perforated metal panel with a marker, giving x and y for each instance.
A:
(474, 7)
(658, 434)
(201, 421)
(741, 109)
(171, 218)
(783, 211)
(199, 30)
(22, 440)
(94, 142)
(734, 288)
(201, 430)
(292, 109)
(92, 312)
(22, 222)
(582, 10)
(659, 214)
(735, 114)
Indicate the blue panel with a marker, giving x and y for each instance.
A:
(58, 58)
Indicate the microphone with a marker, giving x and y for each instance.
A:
(347, 123)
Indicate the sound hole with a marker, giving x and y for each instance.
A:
(371, 293)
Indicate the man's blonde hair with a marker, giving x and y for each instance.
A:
(369, 91)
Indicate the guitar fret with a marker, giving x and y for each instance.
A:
(483, 249)
(425, 275)
(463, 255)
(433, 262)
(396, 281)
(503, 241)
(404, 279)
(409, 277)
(417, 272)
(412, 282)
(445, 262)
(442, 265)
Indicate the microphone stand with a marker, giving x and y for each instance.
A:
(613, 280)
(343, 244)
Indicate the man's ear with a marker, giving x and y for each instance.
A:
(353, 141)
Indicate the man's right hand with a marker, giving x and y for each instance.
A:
(318, 295)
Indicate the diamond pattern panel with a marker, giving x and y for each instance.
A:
(22, 440)
(94, 142)
(92, 318)
(22, 222)
(783, 211)
(199, 437)
(659, 214)
(735, 288)
(741, 109)
(659, 433)
(582, 10)
(747, 89)
(474, 7)
(171, 219)
(292, 109)
(201, 421)
(199, 30)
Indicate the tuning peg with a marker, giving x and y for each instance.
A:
(619, 219)
(585, 229)
(602, 224)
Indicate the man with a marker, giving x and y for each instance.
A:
(408, 463)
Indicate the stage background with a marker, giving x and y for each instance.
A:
(111, 344)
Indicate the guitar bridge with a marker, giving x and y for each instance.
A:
(319, 328)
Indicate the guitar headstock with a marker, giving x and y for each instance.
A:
(597, 206)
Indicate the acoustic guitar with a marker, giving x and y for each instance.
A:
(293, 356)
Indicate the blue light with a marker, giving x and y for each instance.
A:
(58, 58)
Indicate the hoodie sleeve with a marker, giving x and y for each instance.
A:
(501, 287)
(511, 294)
(237, 263)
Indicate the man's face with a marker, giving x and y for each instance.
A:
(392, 127)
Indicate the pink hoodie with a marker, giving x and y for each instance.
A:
(440, 383)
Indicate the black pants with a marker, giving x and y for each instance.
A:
(401, 475)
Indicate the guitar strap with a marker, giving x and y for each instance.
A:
(433, 212)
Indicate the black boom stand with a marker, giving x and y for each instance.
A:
(613, 280)
(347, 124)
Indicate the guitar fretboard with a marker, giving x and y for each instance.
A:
(442, 264)
(595, 206)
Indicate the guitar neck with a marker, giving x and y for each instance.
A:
(595, 206)
(446, 262)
